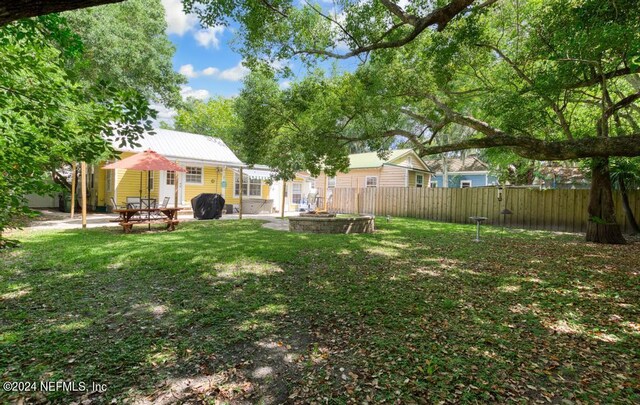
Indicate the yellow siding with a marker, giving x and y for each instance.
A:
(127, 183)
(412, 179)
(211, 183)
(101, 185)
(410, 160)
(230, 199)
(392, 176)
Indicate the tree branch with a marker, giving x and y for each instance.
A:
(537, 149)
(439, 18)
(12, 10)
(554, 106)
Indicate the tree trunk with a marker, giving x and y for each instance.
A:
(627, 208)
(16, 9)
(602, 226)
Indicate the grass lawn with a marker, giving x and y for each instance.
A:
(230, 311)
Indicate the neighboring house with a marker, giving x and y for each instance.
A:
(297, 193)
(402, 168)
(558, 176)
(461, 172)
(211, 168)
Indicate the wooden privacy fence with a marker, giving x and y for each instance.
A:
(557, 210)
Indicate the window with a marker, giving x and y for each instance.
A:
(108, 177)
(150, 177)
(170, 179)
(296, 193)
(465, 183)
(250, 187)
(419, 180)
(332, 182)
(434, 184)
(194, 175)
(371, 181)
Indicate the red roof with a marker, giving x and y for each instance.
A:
(147, 160)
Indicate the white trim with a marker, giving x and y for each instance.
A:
(193, 160)
(255, 197)
(201, 167)
(115, 187)
(108, 179)
(335, 181)
(478, 173)
(469, 182)
(421, 182)
(293, 183)
(432, 182)
(366, 181)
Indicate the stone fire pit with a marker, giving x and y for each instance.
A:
(329, 223)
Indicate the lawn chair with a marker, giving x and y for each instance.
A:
(165, 202)
(159, 215)
(312, 201)
(115, 206)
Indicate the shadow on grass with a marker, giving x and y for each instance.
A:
(231, 311)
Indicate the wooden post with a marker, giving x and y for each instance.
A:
(284, 193)
(326, 191)
(176, 177)
(357, 195)
(73, 189)
(83, 185)
(241, 181)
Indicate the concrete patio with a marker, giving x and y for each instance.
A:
(52, 219)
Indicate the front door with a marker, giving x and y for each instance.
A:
(167, 187)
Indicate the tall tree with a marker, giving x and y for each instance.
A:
(126, 45)
(46, 118)
(548, 80)
(215, 117)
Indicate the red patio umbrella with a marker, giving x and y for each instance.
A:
(146, 161)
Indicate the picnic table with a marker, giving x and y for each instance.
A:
(135, 216)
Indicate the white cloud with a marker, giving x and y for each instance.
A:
(209, 37)
(177, 21)
(285, 84)
(234, 74)
(189, 92)
(210, 71)
(188, 71)
(164, 114)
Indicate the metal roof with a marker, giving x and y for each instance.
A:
(184, 145)
(470, 163)
(371, 159)
(257, 174)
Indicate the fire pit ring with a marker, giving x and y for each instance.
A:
(329, 223)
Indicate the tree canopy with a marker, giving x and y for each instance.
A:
(549, 80)
(46, 117)
(215, 117)
(126, 45)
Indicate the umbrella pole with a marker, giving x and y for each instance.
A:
(149, 197)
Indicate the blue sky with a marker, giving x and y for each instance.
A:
(205, 57)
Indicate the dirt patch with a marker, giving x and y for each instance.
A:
(261, 371)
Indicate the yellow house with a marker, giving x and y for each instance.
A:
(402, 168)
(211, 168)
